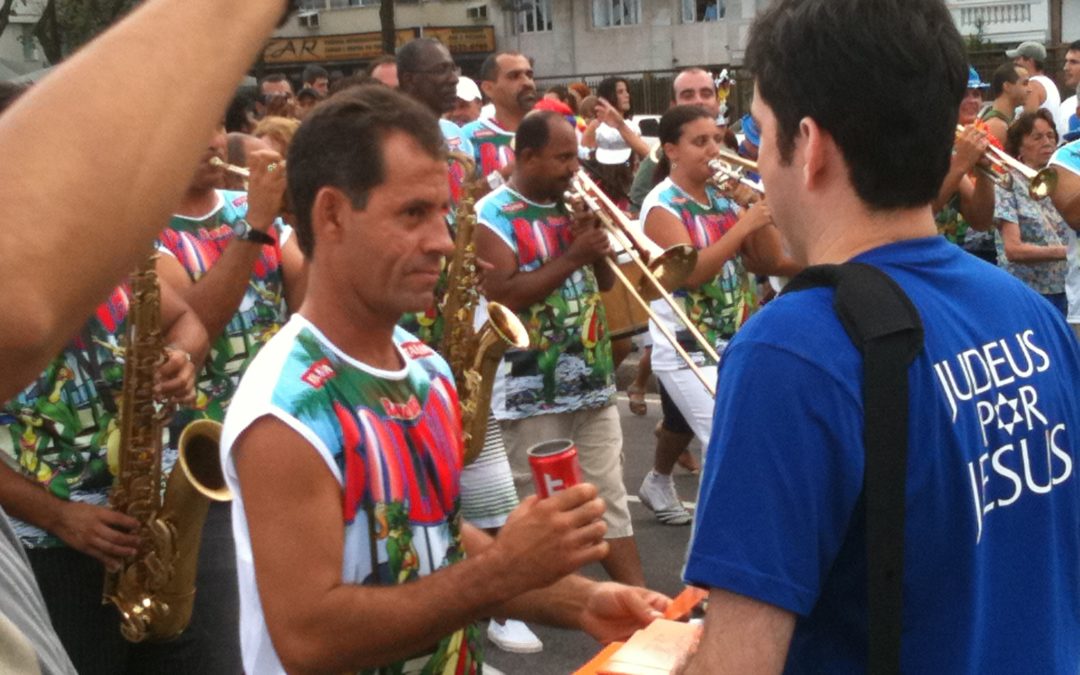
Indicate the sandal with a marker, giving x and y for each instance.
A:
(638, 406)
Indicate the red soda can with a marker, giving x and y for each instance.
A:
(554, 466)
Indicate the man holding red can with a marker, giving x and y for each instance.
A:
(545, 266)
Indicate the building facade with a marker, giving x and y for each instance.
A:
(565, 37)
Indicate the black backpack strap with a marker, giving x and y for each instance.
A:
(885, 326)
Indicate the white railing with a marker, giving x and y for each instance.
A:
(992, 15)
(1002, 20)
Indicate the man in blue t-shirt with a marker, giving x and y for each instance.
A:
(992, 531)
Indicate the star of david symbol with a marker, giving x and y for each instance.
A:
(1005, 403)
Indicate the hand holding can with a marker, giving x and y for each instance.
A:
(554, 466)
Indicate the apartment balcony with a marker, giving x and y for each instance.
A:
(1003, 21)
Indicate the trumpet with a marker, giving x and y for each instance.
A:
(663, 270)
(1040, 182)
(732, 167)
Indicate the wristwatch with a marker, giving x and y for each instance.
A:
(245, 232)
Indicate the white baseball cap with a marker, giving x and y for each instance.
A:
(467, 89)
(610, 146)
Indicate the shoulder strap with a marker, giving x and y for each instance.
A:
(885, 326)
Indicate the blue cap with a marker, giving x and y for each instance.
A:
(974, 81)
(750, 130)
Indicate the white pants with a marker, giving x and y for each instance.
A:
(692, 398)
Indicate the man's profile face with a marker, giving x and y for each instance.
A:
(387, 74)
(321, 85)
(513, 87)
(399, 239)
(696, 88)
(1019, 90)
(1072, 68)
(782, 181)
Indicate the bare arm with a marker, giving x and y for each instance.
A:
(187, 348)
(505, 284)
(977, 202)
(217, 295)
(68, 136)
(607, 611)
(742, 636)
(1036, 96)
(318, 623)
(1066, 196)
(1019, 251)
(97, 531)
(970, 147)
(666, 230)
(613, 118)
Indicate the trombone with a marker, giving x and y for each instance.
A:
(663, 270)
(729, 166)
(1040, 182)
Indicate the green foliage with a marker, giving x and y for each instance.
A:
(81, 20)
(976, 42)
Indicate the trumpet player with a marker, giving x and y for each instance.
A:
(546, 266)
(685, 208)
(964, 207)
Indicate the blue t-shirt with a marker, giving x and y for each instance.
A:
(992, 536)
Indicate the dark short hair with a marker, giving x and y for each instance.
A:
(354, 80)
(671, 130)
(606, 91)
(1074, 46)
(489, 69)
(381, 61)
(1024, 125)
(314, 72)
(534, 132)
(274, 77)
(411, 54)
(1005, 74)
(883, 77)
(340, 145)
(236, 118)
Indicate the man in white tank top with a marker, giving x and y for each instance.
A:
(1044, 93)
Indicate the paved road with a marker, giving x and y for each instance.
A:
(662, 548)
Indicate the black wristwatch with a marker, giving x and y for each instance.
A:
(245, 232)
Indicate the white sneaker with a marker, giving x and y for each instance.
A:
(514, 636)
(658, 494)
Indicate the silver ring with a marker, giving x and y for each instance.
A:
(271, 167)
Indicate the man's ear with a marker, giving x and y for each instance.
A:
(331, 213)
(818, 152)
(486, 87)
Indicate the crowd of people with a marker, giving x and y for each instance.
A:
(301, 251)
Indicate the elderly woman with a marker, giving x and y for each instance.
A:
(1030, 232)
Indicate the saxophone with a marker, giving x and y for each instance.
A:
(473, 354)
(154, 590)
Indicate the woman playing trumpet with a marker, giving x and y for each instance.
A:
(686, 208)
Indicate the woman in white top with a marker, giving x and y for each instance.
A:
(718, 296)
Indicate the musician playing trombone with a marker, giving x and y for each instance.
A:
(546, 267)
